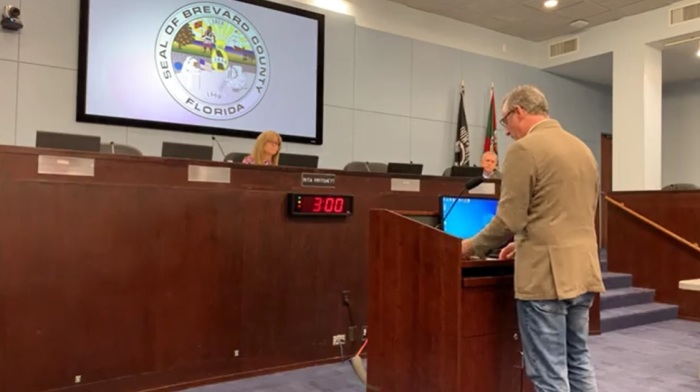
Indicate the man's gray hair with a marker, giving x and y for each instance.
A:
(528, 97)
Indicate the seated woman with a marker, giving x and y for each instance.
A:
(266, 150)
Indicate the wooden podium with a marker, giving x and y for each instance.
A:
(437, 323)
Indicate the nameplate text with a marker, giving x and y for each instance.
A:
(405, 185)
(318, 180)
(220, 175)
(485, 188)
(66, 166)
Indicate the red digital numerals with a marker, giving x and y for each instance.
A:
(328, 204)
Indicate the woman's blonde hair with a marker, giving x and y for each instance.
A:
(258, 149)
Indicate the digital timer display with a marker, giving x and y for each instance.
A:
(320, 205)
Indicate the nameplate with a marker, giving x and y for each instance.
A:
(485, 188)
(405, 185)
(66, 166)
(693, 285)
(220, 175)
(320, 180)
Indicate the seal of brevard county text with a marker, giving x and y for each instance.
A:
(212, 61)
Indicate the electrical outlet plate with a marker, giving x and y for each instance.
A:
(78, 379)
(338, 340)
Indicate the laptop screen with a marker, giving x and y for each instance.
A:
(469, 215)
(298, 160)
(188, 151)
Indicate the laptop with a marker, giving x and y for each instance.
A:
(298, 160)
(468, 217)
(404, 168)
(466, 171)
(67, 141)
(188, 151)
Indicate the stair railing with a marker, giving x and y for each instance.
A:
(653, 224)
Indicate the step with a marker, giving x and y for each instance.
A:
(627, 296)
(615, 280)
(632, 316)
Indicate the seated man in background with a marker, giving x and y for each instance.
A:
(266, 150)
(489, 160)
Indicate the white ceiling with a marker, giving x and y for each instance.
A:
(529, 19)
(597, 69)
(679, 63)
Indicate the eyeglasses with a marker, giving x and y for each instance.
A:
(504, 120)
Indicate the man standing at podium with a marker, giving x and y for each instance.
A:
(549, 195)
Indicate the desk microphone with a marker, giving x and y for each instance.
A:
(469, 185)
(367, 166)
(111, 144)
(220, 148)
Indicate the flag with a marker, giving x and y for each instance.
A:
(462, 140)
(491, 142)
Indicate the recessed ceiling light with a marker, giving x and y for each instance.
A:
(551, 3)
(698, 52)
(579, 24)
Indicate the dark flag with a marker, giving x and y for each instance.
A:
(462, 141)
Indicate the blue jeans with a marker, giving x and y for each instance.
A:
(554, 335)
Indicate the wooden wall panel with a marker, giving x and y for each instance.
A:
(78, 281)
(656, 260)
(137, 278)
(678, 211)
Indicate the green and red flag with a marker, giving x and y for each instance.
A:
(491, 141)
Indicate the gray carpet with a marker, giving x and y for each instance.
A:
(661, 357)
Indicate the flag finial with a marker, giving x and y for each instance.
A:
(462, 85)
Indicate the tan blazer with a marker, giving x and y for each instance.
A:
(549, 195)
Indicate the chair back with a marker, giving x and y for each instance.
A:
(680, 187)
(373, 167)
(120, 149)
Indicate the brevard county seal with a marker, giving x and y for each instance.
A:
(212, 61)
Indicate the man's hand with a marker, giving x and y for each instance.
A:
(467, 248)
(506, 253)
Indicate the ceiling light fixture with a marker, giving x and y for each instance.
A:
(551, 3)
(579, 24)
(698, 52)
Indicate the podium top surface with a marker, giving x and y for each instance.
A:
(486, 263)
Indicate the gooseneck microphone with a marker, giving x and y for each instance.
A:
(469, 185)
(220, 148)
